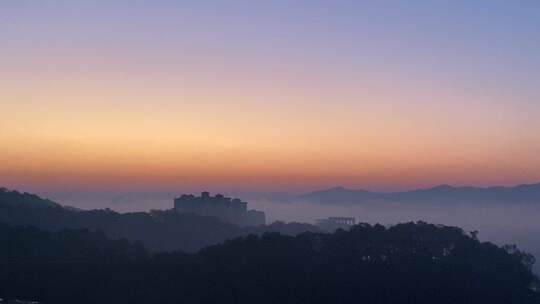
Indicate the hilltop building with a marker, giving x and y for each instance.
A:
(335, 222)
(228, 210)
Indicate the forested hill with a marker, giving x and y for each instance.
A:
(16, 198)
(407, 263)
(158, 230)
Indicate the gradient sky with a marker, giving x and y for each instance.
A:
(268, 95)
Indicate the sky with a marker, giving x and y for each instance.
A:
(268, 96)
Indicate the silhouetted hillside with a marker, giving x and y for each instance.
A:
(158, 230)
(63, 267)
(407, 263)
(17, 199)
(439, 194)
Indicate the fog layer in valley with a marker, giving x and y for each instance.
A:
(508, 223)
(499, 223)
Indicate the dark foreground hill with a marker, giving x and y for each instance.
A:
(407, 263)
(158, 230)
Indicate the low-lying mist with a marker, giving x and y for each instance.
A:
(499, 223)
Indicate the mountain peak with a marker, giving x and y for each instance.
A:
(337, 188)
(437, 194)
(442, 187)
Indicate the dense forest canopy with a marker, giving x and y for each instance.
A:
(406, 263)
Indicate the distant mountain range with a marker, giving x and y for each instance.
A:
(438, 194)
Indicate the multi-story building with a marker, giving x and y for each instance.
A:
(226, 209)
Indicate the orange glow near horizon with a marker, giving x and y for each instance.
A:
(160, 138)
